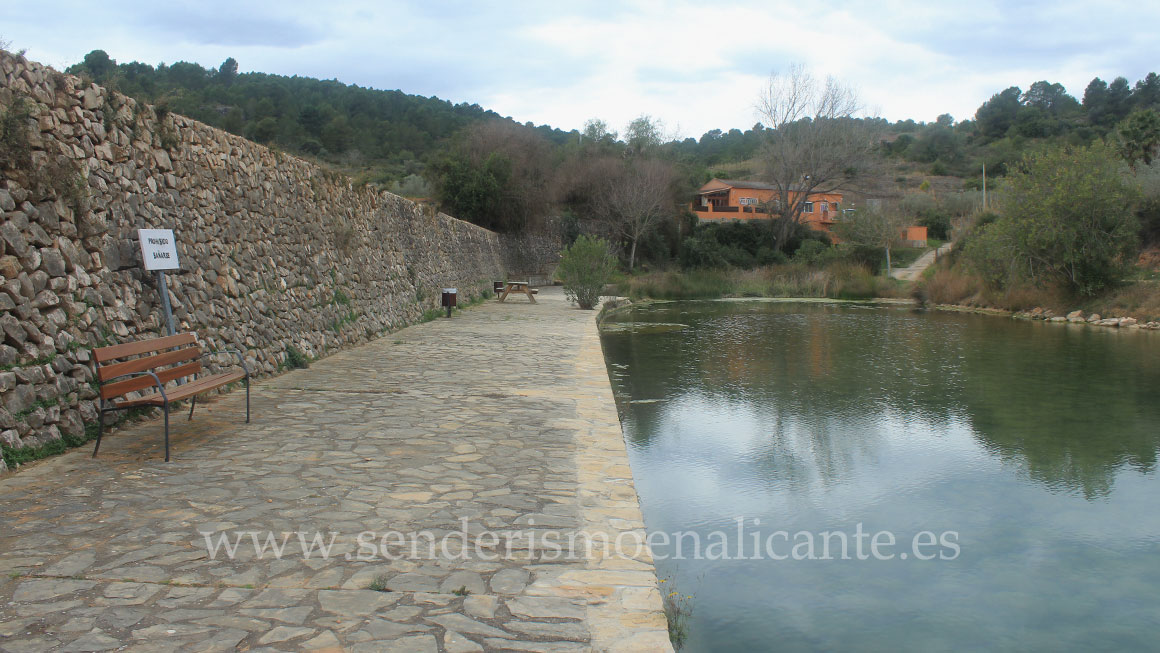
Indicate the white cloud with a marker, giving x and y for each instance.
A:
(698, 66)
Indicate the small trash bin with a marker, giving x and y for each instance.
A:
(497, 287)
(449, 299)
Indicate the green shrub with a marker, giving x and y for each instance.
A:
(15, 147)
(872, 258)
(412, 185)
(295, 359)
(770, 256)
(1067, 219)
(61, 177)
(811, 252)
(585, 266)
(701, 252)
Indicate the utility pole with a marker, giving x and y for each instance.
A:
(984, 186)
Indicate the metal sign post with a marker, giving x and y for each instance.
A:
(163, 288)
(159, 252)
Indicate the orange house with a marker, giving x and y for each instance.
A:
(730, 199)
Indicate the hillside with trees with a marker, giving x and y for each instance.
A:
(1013, 121)
(633, 186)
(383, 135)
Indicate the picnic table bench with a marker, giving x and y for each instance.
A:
(517, 287)
(151, 364)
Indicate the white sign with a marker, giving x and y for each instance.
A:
(158, 249)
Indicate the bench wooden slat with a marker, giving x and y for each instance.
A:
(105, 354)
(105, 372)
(118, 388)
(189, 389)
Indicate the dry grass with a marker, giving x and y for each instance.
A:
(837, 281)
(1140, 300)
(945, 286)
(951, 285)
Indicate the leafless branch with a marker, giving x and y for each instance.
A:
(815, 142)
(637, 198)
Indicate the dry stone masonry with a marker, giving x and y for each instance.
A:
(277, 253)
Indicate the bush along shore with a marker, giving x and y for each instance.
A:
(1134, 301)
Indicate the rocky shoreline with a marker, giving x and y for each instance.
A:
(1078, 317)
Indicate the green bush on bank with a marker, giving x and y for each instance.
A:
(585, 267)
(750, 245)
(744, 245)
(1067, 220)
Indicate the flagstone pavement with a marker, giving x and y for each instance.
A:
(493, 431)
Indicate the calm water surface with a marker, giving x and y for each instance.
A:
(1035, 443)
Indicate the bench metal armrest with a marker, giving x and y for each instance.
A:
(235, 352)
(156, 381)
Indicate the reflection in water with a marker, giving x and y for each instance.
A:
(1073, 408)
(1037, 442)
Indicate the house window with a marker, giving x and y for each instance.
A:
(747, 201)
(807, 207)
(825, 207)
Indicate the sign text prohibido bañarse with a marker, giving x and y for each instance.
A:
(158, 249)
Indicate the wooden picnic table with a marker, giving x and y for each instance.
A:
(518, 287)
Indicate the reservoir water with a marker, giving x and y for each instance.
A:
(1011, 464)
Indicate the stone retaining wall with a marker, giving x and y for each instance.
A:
(277, 252)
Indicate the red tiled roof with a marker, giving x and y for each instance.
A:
(755, 185)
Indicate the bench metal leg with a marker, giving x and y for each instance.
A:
(192, 405)
(100, 427)
(165, 407)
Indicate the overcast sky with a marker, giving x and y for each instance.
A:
(696, 66)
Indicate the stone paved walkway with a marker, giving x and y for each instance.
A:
(500, 419)
(915, 270)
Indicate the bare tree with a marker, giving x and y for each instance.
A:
(585, 177)
(635, 201)
(815, 143)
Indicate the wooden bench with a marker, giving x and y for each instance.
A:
(150, 365)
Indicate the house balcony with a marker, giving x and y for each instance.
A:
(711, 212)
